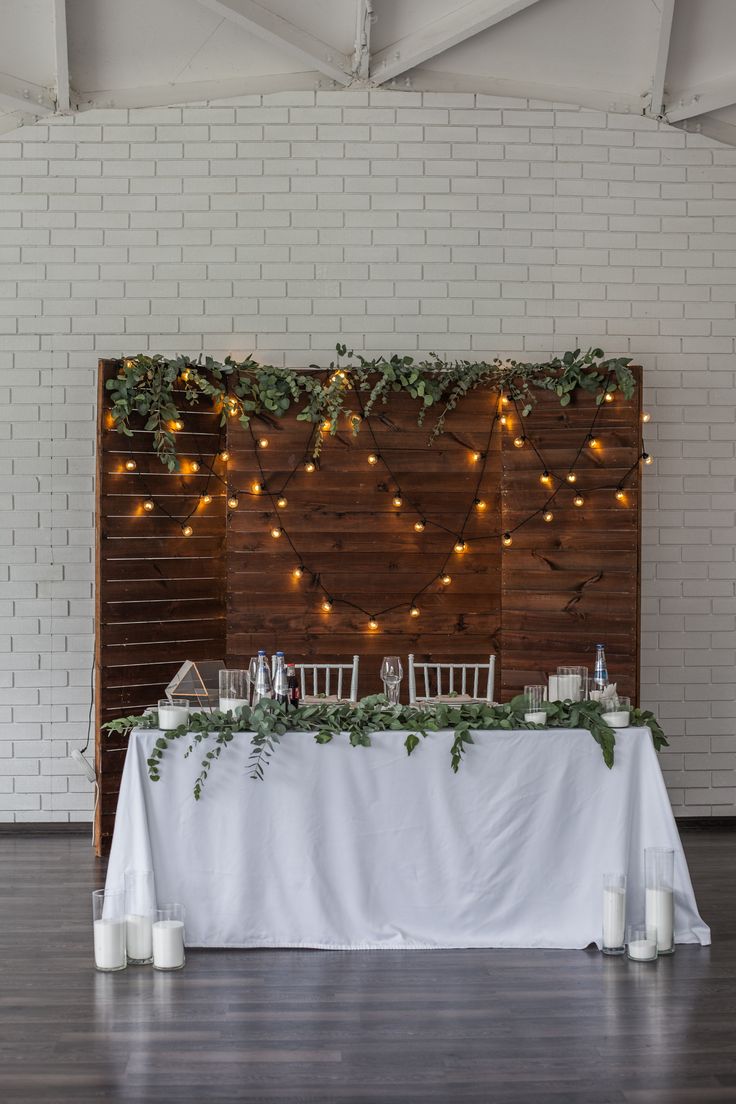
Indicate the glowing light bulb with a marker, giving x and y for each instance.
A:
(276, 532)
(149, 505)
(507, 539)
(282, 502)
(503, 420)
(608, 397)
(480, 504)
(545, 478)
(310, 466)
(414, 611)
(129, 363)
(326, 425)
(177, 424)
(256, 488)
(647, 458)
(130, 465)
(579, 500)
(571, 477)
(397, 500)
(354, 419)
(620, 494)
(505, 400)
(185, 375)
(206, 499)
(548, 515)
(232, 502)
(225, 455)
(460, 546)
(194, 466)
(187, 530)
(298, 572)
(476, 456)
(373, 457)
(327, 604)
(263, 442)
(447, 579)
(373, 623)
(646, 417)
(593, 442)
(519, 441)
(419, 525)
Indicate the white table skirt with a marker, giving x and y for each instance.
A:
(364, 848)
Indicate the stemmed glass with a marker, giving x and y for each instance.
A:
(391, 675)
(252, 669)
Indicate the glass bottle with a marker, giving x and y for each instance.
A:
(293, 685)
(263, 687)
(280, 685)
(600, 671)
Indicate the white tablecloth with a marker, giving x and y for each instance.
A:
(363, 848)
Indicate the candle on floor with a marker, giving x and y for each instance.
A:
(138, 938)
(660, 915)
(168, 945)
(614, 918)
(172, 713)
(643, 950)
(109, 937)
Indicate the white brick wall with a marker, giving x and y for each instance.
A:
(393, 221)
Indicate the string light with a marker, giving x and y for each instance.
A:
(130, 465)
(446, 579)
(414, 611)
(593, 442)
(373, 623)
(327, 604)
(608, 397)
(505, 399)
(579, 500)
(129, 363)
(419, 525)
(298, 572)
(373, 458)
(397, 500)
(232, 501)
(256, 488)
(545, 478)
(187, 530)
(646, 417)
(185, 375)
(194, 466)
(460, 545)
(620, 494)
(479, 504)
(326, 425)
(503, 419)
(647, 458)
(519, 441)
(507, 540)
(353, 419)
(276, 532)
(548, 515)
(282, 502)
(309, 466)
(177, 424)
(206, 499)
(476, 456)
(571, 477)
(225, 456)
(263, 442)
(149, 505)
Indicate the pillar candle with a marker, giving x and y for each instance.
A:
(553, 693)
(643, 949)
(109, 938)
(660, 915)
(614, 916)
(168, 944)
(171, 716)
(138, 937)
(232, 704)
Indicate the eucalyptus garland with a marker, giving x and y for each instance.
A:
(157, 389)
(267, 722)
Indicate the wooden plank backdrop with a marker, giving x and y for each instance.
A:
(229, 589)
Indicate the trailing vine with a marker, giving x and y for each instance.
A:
(159, 389)
(267, 722)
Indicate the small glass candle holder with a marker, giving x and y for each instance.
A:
(572, 683)
(168, 938)
(535, 696)
(614, 913)
(617, 711)
(108, 921)
(659, 880)
(234, 690)
(140, 906)
(641, 944)
(172, 712)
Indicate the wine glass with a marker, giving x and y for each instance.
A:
(391, 675)
(252, 668)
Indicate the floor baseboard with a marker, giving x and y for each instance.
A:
(706, 822)
(47, 828)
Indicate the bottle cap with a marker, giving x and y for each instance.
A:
(279, 653)
(261, 651)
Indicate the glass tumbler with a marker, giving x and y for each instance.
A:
(534, 712)
(659, 881)
(572, 683)
(641, 944)
(108, 921)
(140, 906)
(168, 938)
(234, 690)
(172, 712)
(614, 913)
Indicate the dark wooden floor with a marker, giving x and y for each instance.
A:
(308, 1027)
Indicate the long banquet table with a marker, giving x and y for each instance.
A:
(352, 848)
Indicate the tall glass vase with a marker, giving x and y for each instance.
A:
(659, 883)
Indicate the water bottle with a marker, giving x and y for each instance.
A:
(263, 687)
(280, 684)
(600, 671)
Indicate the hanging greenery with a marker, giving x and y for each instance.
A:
(159, 389)
(267, 722)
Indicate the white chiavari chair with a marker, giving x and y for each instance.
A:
(440, 679)
(328, 679)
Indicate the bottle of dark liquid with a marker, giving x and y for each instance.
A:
(280, 685)
(293, 684)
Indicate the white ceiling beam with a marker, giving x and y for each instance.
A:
(169, 95)
(364, 18)
(24, 96)
(441, 35)
(698, 101)
(666, 11)
(601, 99)
(61, 56)
(271, 28)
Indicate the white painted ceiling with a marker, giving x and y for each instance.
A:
(671, 59)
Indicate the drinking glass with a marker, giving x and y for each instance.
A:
(391, 675)
(617, 711)
(172, 712)
(534, 711)
(614, 913)
(140, 905)
(234, 690)
(572, 683)
(108, 925)
(659, 879)
(252, 668)
(641, 945)
(168, 938)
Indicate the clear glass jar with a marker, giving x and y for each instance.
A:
(234, 690)
(659, 879)
(614, 914)
(140, 905)
(168, 938)
(108, 922)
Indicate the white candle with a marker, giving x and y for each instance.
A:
(553, 693)
(109, 944)
(231, 704)
(643, 949)
(168, 944)
(614, 916)
(568, 687)
(660, 915)
(536, 717)
(138, 937)
(171, 716)
(618, 719)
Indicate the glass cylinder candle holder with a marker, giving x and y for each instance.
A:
(234, 690)
(572, 683)
(659, 882)
(140, 906)
(172, 712)
(535, 696)
(617, 711)
(614, 913)
(108, 921)
(641, 944)
(168, 938)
